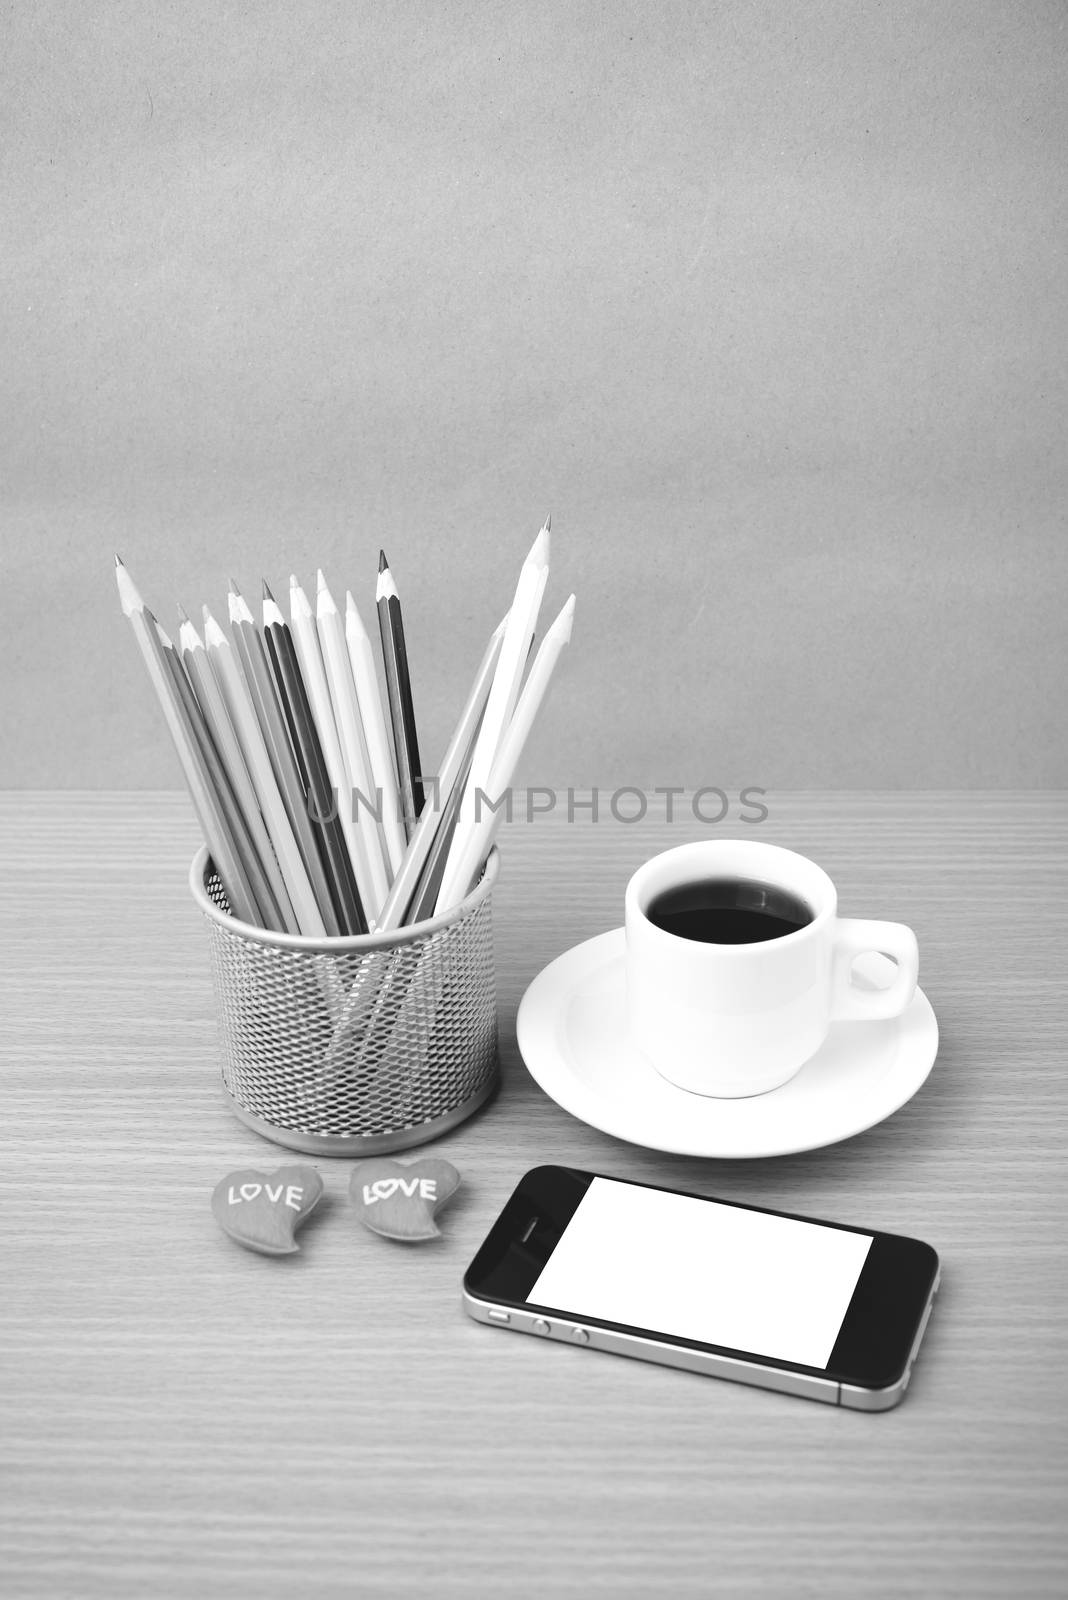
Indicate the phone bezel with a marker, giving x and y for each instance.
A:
(878, 1332)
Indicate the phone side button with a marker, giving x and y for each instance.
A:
(580, 1336)
(498, 1316)
(541, 1326)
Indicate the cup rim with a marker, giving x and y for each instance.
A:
(637, 882)
(338, 944)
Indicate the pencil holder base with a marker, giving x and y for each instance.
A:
(357, 1046)
(356, 1146)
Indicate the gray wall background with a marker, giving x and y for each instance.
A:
(765, 302)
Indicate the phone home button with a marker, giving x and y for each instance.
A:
(541, 1326)
(580, 1336)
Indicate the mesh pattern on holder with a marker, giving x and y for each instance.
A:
(361, 1044)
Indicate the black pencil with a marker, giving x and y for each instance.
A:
(311, 766)
(399, 687)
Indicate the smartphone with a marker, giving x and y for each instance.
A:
(817, 1309)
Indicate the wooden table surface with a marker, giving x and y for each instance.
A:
(180, 1417)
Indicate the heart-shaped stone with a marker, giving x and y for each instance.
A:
(398, 1201)
(263, 1210)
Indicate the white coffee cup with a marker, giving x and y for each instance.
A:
(739, 1019)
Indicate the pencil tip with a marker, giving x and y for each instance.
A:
(293, 584)
(320, 580)
(383, 564)
(547, 524)
(205, 612)
(234, 589)
(129, 598)
(119, 561)
(267, 595)
(182, 615)
(539, 550)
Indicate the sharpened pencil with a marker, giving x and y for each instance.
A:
(437, 820)
(217, 716)
(229, 676)
(373, 719)
(399, 690)
(357, 823)
(311, 767)
(469, 852)
(263, 896)
(205, 802)
(425, 898)
(252, 653)
(522, 623)
(343, 710)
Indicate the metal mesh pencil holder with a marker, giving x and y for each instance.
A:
(354, 1046)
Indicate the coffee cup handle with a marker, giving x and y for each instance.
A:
(855, 936)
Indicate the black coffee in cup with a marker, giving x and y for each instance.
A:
(729, 911)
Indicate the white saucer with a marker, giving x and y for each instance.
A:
(572, 1035)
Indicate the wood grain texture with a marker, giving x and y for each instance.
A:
(183, 1418)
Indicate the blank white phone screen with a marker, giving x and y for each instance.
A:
(700, 1270)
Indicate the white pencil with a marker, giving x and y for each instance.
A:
(217, 717)
(466, 856)
(380, 754)
(205, 801)
(358, 825)
(349, 723)
(433, 815)
(522, 622)
(231, 681)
